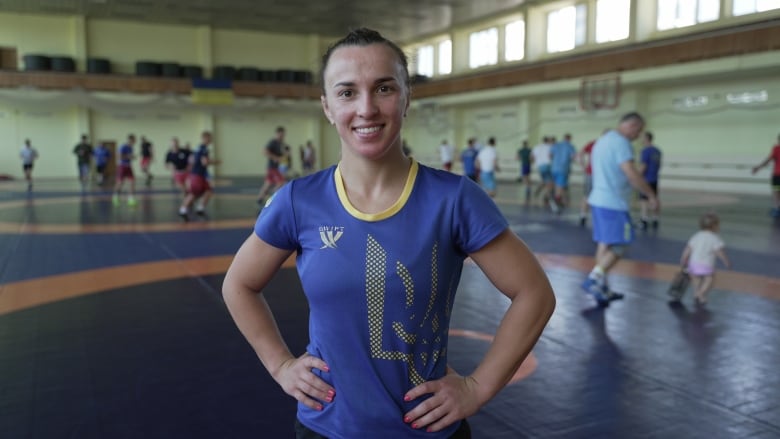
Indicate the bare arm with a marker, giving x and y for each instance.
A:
(762, 164)
(251, 270)
(242, 291)
(639, 183)
(685, 255)
(641, 168)
(514, 270)
(721, 253)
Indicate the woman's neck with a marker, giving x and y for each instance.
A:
(373, 186)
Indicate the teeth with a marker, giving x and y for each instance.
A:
(367, 130)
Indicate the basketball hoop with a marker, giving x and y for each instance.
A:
(597, 93)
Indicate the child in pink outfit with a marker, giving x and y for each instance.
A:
(700, 255)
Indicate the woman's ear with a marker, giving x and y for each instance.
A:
(326, 109)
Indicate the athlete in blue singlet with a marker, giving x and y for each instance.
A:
(380, 242)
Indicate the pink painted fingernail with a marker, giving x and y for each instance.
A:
(331, 392)
(329, 399)
(414, 425)
(407, 398)
(327, 369)
(407, 419)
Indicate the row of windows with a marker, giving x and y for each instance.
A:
(567, 29)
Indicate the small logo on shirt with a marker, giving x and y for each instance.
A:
(330, 235)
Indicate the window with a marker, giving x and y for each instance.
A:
(613, 20)
(680, 13)
(483, 48)
(514, 41)
(445, 57)
(566, 28)
(742, 7)
(425, 61)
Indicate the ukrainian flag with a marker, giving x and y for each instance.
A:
(212, 91)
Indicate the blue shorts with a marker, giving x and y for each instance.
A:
(611, 227)
(525, 169)
(488, 180)
(544, 172)
(561, 179)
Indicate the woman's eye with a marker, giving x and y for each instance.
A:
(384, 88)
(346, 94)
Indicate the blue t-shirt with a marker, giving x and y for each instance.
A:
(469, 156)
(102, 155)
(125, 155)
(380, 289)
(651, 157)
(562, 155)
(611, 188)
(197, 163)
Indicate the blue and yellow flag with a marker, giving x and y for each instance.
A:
(212, 91)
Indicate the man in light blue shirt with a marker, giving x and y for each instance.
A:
(614, 174)
(563, 153)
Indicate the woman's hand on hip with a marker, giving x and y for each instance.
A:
(299, 381)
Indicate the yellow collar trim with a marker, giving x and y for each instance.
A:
(387, 213)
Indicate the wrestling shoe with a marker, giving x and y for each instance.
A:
(592, 287)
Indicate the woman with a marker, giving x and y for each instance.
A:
(380, 283)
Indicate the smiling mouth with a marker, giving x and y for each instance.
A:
(369, 130)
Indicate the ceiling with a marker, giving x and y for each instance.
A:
(401, 20)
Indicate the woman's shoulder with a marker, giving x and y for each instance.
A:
(445, 183)
(438, 176)
(313, 182)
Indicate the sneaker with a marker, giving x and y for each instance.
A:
(200, 211)
(590, 286)
(583, 221)
(643, 224)
(554, 206)
(183, 214)
(131, 202)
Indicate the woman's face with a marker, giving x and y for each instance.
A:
(366, 99)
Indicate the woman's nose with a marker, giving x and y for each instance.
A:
(367, 105)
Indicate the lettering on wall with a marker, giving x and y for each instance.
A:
(747, 97)
(690, 101)
(125, 116)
